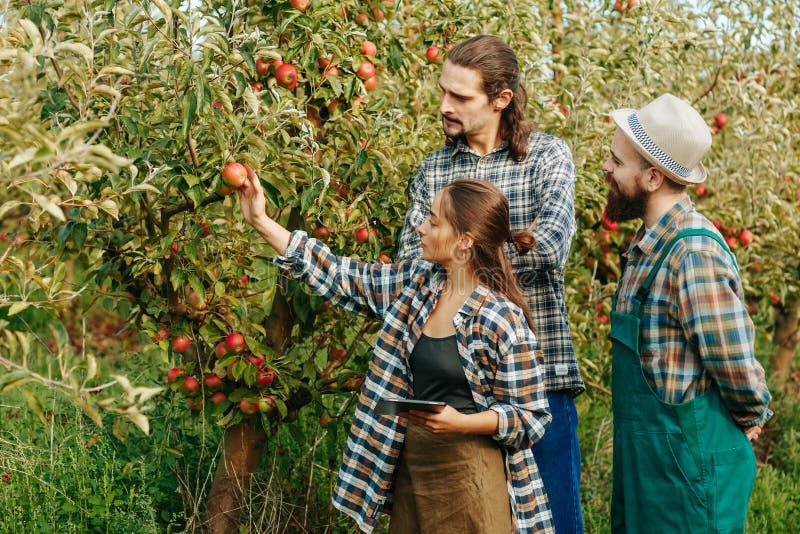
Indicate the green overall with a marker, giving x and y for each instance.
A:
(678, 468)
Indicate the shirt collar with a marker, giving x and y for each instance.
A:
(474, 301)
(462, 146)
(650, 237)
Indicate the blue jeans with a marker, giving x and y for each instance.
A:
(558, 457)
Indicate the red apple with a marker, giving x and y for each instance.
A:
(362, 235)
(732, 242)
(609, 224)
(370, 83)
(247, 407)
(362, 19)
(322, 232)
(244, 281)
(218, 397)
(258, 361)
(195, 405)
(302, 5)
(337, 355)
(378, 14)
(162, 334)
(701, 191)
(180, 343)
(286, 76)
(721, 119)
(265, 377)
(190, 385)
(368, 48)
(433, 53)
(774, 298)
(234, 174)
(220, 350)
(266, 404)
(195, 302)
(213, 382)
(175, 247)
(746, 237)
(224, 189)
(173, 374)
(262, 67)
(366, 70)
(234, 342)
(384, 259)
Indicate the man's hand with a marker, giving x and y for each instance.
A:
(752, 432)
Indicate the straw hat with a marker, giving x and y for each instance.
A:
(669, 133)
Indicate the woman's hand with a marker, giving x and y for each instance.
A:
(451, 421)
(251, 199)
(253, 204)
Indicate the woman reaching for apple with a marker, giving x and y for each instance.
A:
(455, 329)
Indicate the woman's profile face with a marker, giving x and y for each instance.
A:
(438, 238)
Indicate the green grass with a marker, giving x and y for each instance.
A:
(70, 476)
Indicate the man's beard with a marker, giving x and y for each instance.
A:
(454, 136)
(621, 208)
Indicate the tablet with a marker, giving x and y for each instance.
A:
(399, 406)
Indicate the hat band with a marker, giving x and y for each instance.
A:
(653, 149)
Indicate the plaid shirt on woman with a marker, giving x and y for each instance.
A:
(695, 327)
(498, 352)
(540, 189)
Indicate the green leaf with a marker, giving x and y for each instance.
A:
(197, 286)
(239, 368)
(79, 233)
(17, 307)
(189, 111)
(281, 406)
(13, 377)
(35, 405)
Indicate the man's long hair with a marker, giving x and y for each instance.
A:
(497, 64)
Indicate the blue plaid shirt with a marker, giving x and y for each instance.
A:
(498, 352)
(539, 189)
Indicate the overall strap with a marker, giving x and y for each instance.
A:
(644, 292)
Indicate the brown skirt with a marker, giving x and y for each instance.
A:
(450, 483)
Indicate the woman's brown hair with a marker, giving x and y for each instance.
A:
(497, 64)
(481, 210)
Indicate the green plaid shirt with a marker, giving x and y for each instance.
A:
(540, 188)
(695, 326)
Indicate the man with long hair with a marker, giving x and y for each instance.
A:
(483, 107)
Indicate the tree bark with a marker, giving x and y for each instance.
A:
(785, 339)
(242, 447)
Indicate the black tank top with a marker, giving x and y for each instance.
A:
(438, 374)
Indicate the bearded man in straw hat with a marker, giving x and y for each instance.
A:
(688, 393)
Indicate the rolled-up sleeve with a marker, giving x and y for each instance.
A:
(519, 392)
(716, 322)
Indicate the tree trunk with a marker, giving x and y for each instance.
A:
(785, 339)
(244, 443)
(241, 451)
